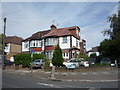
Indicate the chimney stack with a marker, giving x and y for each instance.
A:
(53, 27)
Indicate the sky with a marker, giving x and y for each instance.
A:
(27, 18)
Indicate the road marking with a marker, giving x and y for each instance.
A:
(50, 85)
(47, 72)
(84, 73)
(10, 85)
(94, 73)
(73, 73)
(60, 86)
(93, 88)
(104, 72)
(64, 73)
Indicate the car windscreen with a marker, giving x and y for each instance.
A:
(38, 61)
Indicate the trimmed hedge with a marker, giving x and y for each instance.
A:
(25, 59)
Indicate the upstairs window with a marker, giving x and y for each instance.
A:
(26, 45)
(64, 39)
(51, 41)
(76, 43)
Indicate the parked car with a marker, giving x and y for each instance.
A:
(112, 64)
(37, 63)
(72, 62)
(105, 60)
(7, 62)
(86, 63)
(92, 61)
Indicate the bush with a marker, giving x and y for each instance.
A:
(17, 59)
(38, 56)
(26, 59)
(23, 59)
(47, 63)
(101, 64)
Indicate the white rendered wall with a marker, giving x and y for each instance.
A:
(23, 46)
(43, 47)
(64, 45)
(7, 48)
(74, 41)
(97, 53)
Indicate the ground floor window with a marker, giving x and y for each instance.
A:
(49, 54)
(65, 54)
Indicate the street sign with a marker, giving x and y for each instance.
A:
(32, 50)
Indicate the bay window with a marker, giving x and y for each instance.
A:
(51, 41)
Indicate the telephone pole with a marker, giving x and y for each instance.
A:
(3, 45)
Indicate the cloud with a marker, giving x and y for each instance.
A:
(93, 34)
(24, 19)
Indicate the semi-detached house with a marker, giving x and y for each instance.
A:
(13, 46)
(45, 41)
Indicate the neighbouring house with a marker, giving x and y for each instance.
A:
(93, 51)
(45, 41)
(13, 46)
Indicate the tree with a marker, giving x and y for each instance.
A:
(57, 59)
(84, 56)
(111, 47)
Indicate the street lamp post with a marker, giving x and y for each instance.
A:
(3, 45)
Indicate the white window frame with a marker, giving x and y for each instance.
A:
(64, 39)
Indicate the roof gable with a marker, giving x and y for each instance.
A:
(63, 32)
(38, 35)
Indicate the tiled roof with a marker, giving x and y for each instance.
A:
(57, 32)
(62, 32)
(13, 39)
(37, 35)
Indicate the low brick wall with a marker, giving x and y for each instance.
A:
(64, 69)
(80, 69)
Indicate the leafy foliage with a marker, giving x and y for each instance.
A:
(57, 59)
(47, 63)
(82, 55)
(38, 56)
(111, 47)
(93, 55)
(17, 59)
(25, 59)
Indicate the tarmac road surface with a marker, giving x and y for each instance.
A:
(14, 80)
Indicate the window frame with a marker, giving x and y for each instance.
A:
(64, 39)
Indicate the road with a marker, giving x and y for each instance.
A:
(12, 80)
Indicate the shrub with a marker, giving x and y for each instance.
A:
(17, 59)
(38, 56)
(23, 59)
(26, 59)
(47, 63)
(101, 64)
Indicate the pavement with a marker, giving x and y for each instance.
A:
(91, 76)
